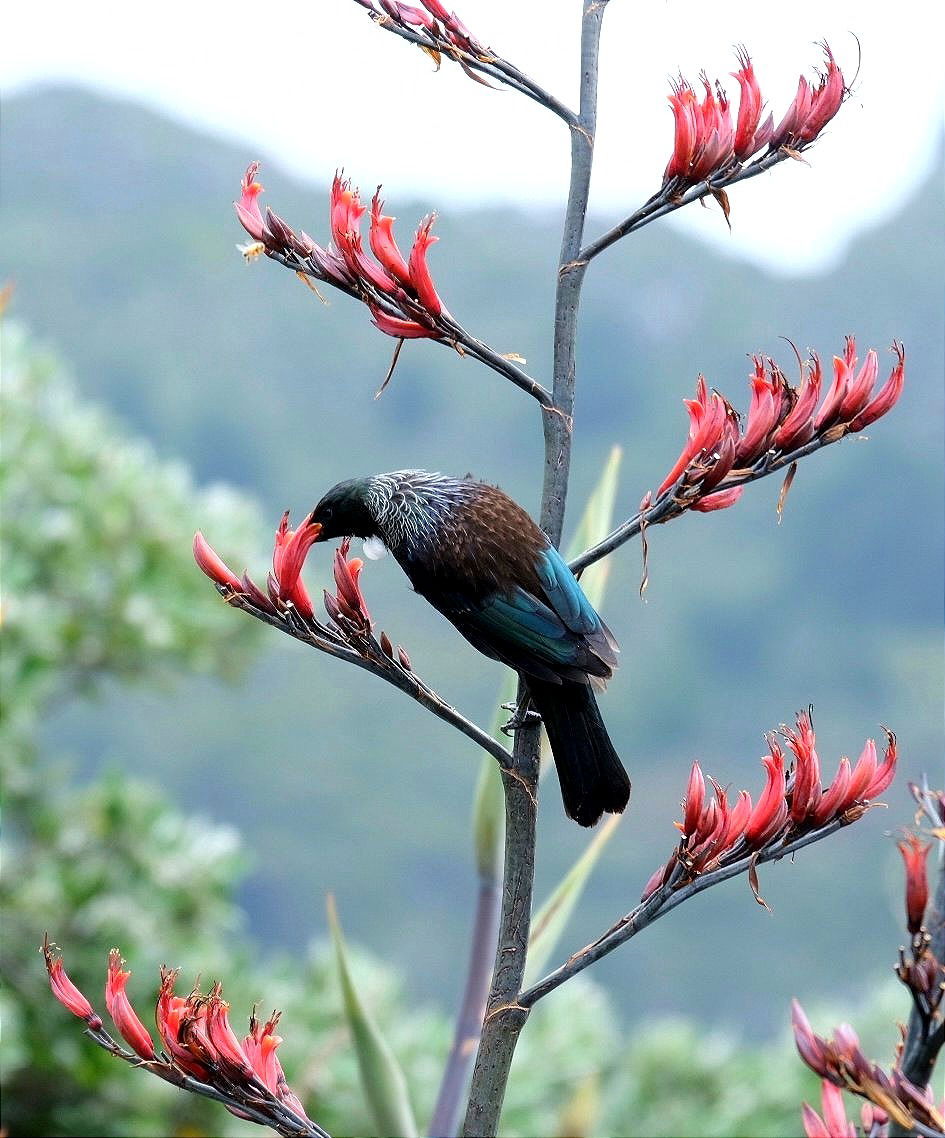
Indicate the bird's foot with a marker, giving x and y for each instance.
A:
(523, 715)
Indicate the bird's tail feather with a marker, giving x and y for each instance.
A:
(593, 780)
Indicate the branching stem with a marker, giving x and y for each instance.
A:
(371, 658)
(505, 1015)
(663, 901)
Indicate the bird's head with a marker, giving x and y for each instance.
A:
(344, 511)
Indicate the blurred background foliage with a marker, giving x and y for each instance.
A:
(117, 232)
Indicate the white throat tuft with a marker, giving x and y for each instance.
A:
(374, 548)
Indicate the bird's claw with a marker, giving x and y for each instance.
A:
(523, 715)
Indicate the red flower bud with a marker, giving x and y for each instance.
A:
(288, 557)
(829, 412)
(383, 245)
(806, 790)
(797, 427)
(247, 208)
(175, 1018)
(406, 14)
(810, 1046)
(420, 277)
(737, 820)
(814, 1125)
(227, 1050)
(770, 814)
(213, 565)
(695, 797)
(888, 395)
(832, 803)
(762, 417)
(812, 108)
(655, 881)
(825, 101)
(394, 326)
(349, 600)
(859, 388)
(707, 425)
(914, 855)
(885, 772)
(435, 8)
(684, 104)
(260, 1049)
(64, 990)
(719, 501)
(749, 109)
(125, 1018)
(862, 774)
(831, 1099)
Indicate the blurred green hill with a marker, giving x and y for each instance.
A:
(118, 232)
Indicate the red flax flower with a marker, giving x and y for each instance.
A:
(64, 990)
(348, 607)
(125, 1018)
(288, 557)
(706, 144)
(716, 832)
(442, 28)
(398, 291)
(260, 1049)
(781, 419)
(285, 581)
(211, 564)
(914, 855)
(198, 1044)
(749, 137)
(841, 1062)
(834, 1123)
(813, 107)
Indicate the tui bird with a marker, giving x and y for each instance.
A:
(480, 559)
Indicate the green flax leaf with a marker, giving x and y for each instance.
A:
(385, 1087)
(596, 522)
(549, 922)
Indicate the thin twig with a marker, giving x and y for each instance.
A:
(663, 901)
(672, 504)
(257, 1104)
(492, 65)
(668, 201)
(451, 333)
(371, 658)
(499, 363)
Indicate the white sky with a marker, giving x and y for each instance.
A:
(315, 86)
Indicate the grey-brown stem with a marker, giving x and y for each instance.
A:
(505, 1018)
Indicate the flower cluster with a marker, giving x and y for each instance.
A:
(709, 145)
(286, 593)
(444, 28)
(398, 291)
(717, 832)
(841, 1062)
(781, 420)
(284, 585)
(201, 1052)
